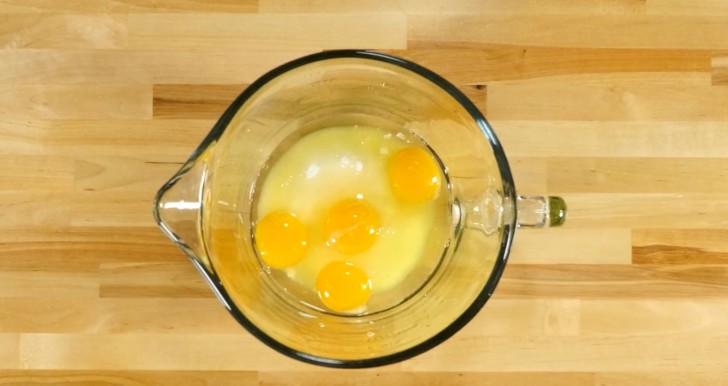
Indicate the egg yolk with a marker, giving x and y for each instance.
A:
(342, 286)
(280, 238)
(413, 175)
(351, 226)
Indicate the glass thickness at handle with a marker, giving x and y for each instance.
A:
(540, 211)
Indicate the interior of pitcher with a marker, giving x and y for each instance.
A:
(358, 89)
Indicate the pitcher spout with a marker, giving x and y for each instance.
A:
(178, 208)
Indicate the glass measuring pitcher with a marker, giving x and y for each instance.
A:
(209, 207)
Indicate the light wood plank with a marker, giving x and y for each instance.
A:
(128, 138)
(62, 31)
(657, 210)
(373, 377)
(660, 97)
(83, 249)
(119, 101)
(671, 139)
(152, 280)
(9, 351)
(130, 378)
(654, 317)
(599, 317)
(48, 314)
(126, 315)
(580, 354)
(182, 101)
(526, 317)
(719, 65)
(285, 31)
(637, 175)
(154, 141)
(572, 246)
(23, 136)
(198, 352)
(27, 257)
(624, 31)
(127, 6)
(686, 7)
(111, 66)
(113, 174)
(490, 7)
(116, 316)
(20, 209)
(84, 285)
(464, 63)
(35, 173)
(186, 101)
(529, 174)
(588, 281)
(666, 378)
(680, 246)
(113, 208)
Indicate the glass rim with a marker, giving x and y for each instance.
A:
(508, 192)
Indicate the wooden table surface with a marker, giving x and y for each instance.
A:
(620, 106)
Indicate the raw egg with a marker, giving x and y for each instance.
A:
(352, 226)
(280, 238)
(342, 286)
(414, 175)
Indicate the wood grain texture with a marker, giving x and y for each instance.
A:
(182, 101)
(490, 7)
(90, 101)
(685, 7)
(477, 63)
(245, 31)
(129, 378)
(634, 353)
(10, 354)
(649, 210)
(72, 249)
(586, 246)
(365, 378)
(617, 139)
(661, 97)
(680, 246)
(720, 69)
(100, 137)
(62, 31)
(610, 31)
(589, 281)
(637, 175)
(158, 67)
(127, 6)
(619, 106)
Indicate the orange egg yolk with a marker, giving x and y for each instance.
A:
(414, 175)
(351, 226)
(280, 238)
(342, 286)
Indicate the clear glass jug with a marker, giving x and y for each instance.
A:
(207, 208)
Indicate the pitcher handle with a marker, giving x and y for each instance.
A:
(540, 211)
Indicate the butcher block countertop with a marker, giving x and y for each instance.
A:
(619, 106)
